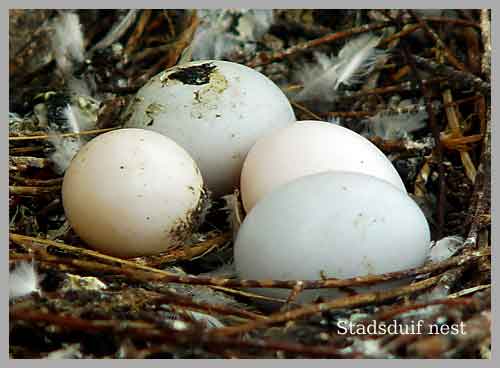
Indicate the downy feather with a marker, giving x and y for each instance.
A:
(357, 58)
(214, 38)
(389, 125)
(211, 40)
(23, 280)
(318, 79)
(68, 42)
(65, 147)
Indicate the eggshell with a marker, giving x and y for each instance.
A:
(216, 110)
(341, 223)
(132, 192)
(309, 147)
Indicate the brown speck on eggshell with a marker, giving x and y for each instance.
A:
(126, 193)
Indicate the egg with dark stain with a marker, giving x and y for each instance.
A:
(132, 192)
(215, 110)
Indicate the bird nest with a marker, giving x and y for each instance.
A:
(424, 100)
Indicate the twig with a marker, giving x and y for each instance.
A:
(350, 114)
(78, 252)
(409, 29)
(462, 100)
(436, 134)
(36, 182)
(455, 311)
(486, 36)
(21, 150)
(461, 78)
(149, 52)
(471, 37)
(480, 207)
(23, 163)
(46, 136)
(394, 311)
(310, 309)
(187, 337)
(454, 125)
(148, 273)
(468, 291)
(172, 53)
(170, 23)
(430, 32)
(138, 31)
(178, 299)
(116, 32)
(476, 329)
(306, 110)
(440, 309)
(460, 142)
(454, 21)
(294, 293)
(308, 29)
(126, 267)
(479, 212)
(33, 191)
(175, 255)
(401, 87)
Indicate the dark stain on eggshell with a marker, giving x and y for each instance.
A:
(127, 114)
(151, 111)
(183, 228)
(194, 75)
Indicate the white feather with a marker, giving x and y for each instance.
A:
(71, 351)
(80, 87)
(68, 42)
(65, 147)
(234, 211)
(23, 280)
(445, 248)
(357, 58)
(211, 322)
(318, 79)
(214, 38)
(211, 40)
(254, 23)
(396, 125)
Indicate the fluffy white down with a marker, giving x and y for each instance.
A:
(23, 280)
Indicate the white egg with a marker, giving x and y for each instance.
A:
(216, 110)
(309, 147)
(132, 192)
(340, 224)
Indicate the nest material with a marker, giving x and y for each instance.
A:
(87, 304)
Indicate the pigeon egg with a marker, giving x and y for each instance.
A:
(216, 110)
(335, 224)
(310, 147)
(132, 192)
